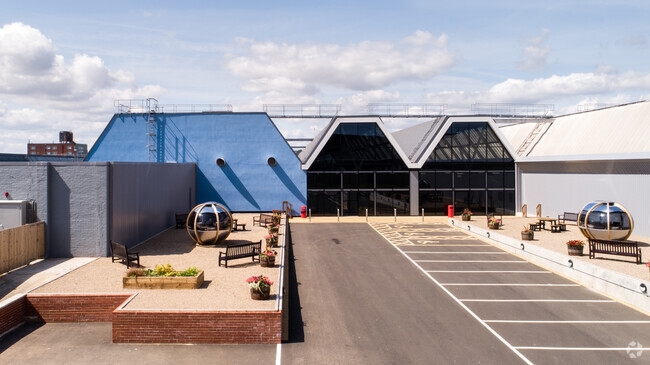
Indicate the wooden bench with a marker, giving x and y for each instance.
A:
(120, 252)
(241, 250)
(263, 219)
(236, 226)
(571, 217)
(535, 227)
(558, 227)
(181, 220)
(611, 247)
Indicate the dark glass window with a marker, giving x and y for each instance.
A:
(435, 202)
(461, 180)
(481, 168)
(324, 202)
(323, 180)
(358, 146)
(389, 180)
(389, 200)
(477, 180)
(443, 180)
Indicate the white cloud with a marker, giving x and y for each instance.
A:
(535, 52)
(604, 81)
(306, 68)
(41, 93)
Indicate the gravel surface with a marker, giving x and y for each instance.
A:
(223, 288)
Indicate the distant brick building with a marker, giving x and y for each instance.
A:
(65, 147)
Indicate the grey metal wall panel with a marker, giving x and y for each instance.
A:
(27, 181)
(560, 192)
(77, 209)
(145, 196)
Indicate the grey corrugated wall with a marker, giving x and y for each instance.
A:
(145, 196)
(560, 187)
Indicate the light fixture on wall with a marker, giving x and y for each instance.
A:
(271, 161)
(221, 162)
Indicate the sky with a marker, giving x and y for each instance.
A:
(63, 64)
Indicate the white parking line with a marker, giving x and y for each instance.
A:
(563, 322)
(584, 348)
(494, 261)
(541, 300)
(503, 340)
(463, 252)
(499, 284)
(491, 271)
(278, 354)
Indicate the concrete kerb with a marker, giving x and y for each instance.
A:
(624, 288)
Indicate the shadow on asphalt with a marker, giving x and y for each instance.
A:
(296, 325)
(18, 334)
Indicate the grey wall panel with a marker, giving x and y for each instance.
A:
(145, 196)
(27, 181)
(78, 213)
(560, 192)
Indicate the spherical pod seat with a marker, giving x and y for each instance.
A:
(605, 221)
(209, 223)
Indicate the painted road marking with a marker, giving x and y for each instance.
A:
(497, 261)
(499, 284)
(541, 300)
(463, 252)
(492, 271)
(503, 340)
(583, 348)
(562, 322)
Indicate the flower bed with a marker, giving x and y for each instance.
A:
(163, 277)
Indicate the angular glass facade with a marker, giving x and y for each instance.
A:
(469, 168)
(358, 169)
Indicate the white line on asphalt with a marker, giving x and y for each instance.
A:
(567, 322)
(491, 271)
(503, 340)
(498, 284)
(584, 348)
(502, 261)
(463, 252)
(457, 245)
(278, 354)
(542, 300)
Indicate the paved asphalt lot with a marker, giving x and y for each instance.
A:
(433, 296)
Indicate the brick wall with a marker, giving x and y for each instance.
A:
(197, 326)
(76, 307)
(12, 314)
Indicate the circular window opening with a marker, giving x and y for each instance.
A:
(271, 161)
(221, 162)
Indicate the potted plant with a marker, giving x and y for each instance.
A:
(575, 247)
(260, 287)
(467, 215)
(273, 228)
(277, 216)
(271, 240)
(267, 258)
(527, 234)
(494, 223)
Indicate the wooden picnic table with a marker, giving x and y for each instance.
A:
(542, 221)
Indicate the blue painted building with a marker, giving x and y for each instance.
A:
(242, 159)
